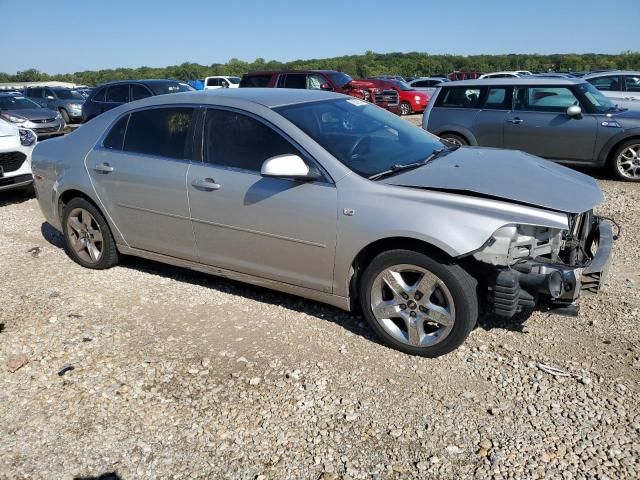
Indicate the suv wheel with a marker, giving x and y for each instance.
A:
(417, 304)
(625, 161)
(405, 108)
(455, 139)
(65, 116)
(87, 238)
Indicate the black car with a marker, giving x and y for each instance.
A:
(112, 94)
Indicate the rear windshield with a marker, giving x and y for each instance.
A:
(255, 81)
(161, 88)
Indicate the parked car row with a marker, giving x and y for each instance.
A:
(25, 113)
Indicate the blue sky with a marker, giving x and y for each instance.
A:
(63, 36)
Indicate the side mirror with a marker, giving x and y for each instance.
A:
(49, 97)
(326, 86)
(288, 166)
(574, 111)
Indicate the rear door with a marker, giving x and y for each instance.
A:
(139, 173)
(539, 124)
(488, 127)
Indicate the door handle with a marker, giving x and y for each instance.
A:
(206, 184)
(515, 121)
(103, 168)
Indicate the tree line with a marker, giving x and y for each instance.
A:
(358, 66)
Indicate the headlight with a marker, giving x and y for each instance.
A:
(75, 106)
(27, 137)
(13, 118)
(417, 98)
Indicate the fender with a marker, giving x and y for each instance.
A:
(608, 147)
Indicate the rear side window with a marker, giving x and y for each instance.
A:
(139, 92)
(459, 97)
(498, 98)
(115, 138)
(161, 132)
(213, 82)
(118, 94)
(235, 140)
(295, 80)
(99, 95)
(632, 83)
(255, 81)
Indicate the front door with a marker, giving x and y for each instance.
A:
(272, 228)
(539, 125)
(139, 173)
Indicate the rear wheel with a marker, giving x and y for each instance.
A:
(418, 304)
(88, 239)
(405, 108)
(625, 162)
(455, 139)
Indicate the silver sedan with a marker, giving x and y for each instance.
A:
(330, 198)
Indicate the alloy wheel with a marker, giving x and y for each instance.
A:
(84, 235)
(412, 305)
(628, 162)
(405, 109)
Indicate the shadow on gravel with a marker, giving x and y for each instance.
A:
(51, 235)
(104, 476)
(515, 324)
(14, 197)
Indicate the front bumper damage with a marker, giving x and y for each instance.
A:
(541, 284)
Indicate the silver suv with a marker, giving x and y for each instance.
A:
(330, 198)
(564, 120)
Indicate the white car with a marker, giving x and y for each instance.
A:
(622, 87)
(16, 145)
(221, 82)
(514, 74)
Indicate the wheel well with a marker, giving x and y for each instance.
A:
(613, 149)
(457, 134)
(69, 195)
(368, 253)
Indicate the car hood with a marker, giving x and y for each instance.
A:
(507, 175)
(33, 113)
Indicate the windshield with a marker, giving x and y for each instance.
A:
(404, 86)
(68, 95)
(16, 103)
(599, 102)
(234, 80)
(364, 137)
(339, 78)
(161, 88)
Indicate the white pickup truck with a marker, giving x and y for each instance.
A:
(221, 82)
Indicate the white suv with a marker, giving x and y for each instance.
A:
(221, 82)
(16, 145)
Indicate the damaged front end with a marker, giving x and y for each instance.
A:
(544, 268)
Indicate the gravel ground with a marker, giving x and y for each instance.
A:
(149, 371)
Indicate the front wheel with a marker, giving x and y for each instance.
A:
(454, 139)
(405, 108)
(65, 116)
(625, 162)
(418, 304)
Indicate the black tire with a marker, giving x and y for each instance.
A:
(455, 139)
(461, 286)
(613, 161)
(109, 256)
(405, 108)
(65, 116)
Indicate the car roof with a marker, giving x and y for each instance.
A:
(514, 81)
(610, 72)
(147, 81)
(268, 97)
(272, 72)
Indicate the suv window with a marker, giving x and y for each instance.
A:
(34, 92)
(138, 92)
(294, 80)
(213, 82)
(255, 80)
(545, 99)
(162, 132)
(459, 97)
(498, 98)
(608, 83)
(98, 96)
(115, 138)
(49, 93)
(118, 93)
(315, 81)
(235, 140)
(632, 83)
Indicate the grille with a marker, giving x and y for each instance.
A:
(390, 97)
(11, 161)
(46, 120)
(46, 129)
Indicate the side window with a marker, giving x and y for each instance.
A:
(295, 80)
(223, 82)
(115, 137)
(314, 82)
(118, 93)
(632, 83)
(235, 140)
(422, 83)
(545, 99)
(162, 132)
(99, 95)
(498, 98)
(213, 82)
(138, 92)
(34, 92)
(49, 93)
(459, 97)
(255, 80)
(610, 83)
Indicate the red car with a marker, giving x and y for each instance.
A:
(411, 100)
(382, 94)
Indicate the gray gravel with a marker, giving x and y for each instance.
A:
(155, 372)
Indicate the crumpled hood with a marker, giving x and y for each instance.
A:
(505, 174)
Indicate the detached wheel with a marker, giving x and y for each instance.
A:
(625, 162)
(417, 304)
(405, 108)
(455, 139)
(65, 116)
(88, 240)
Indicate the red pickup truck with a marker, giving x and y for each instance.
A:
(379, 92)
(411, 100)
